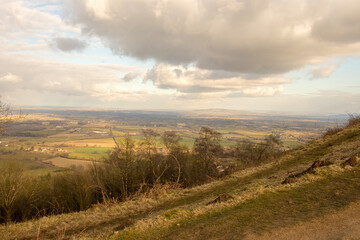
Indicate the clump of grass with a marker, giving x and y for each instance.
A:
(332, 131)
(354, 119)
(171, 213)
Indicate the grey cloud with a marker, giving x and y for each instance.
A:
(68, 44)
(128, 77)
(340, 24)
(261, 37)
(195, 80)
(323, 71)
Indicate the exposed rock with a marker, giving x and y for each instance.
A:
(290, 179)
(316, 165)
(353, 161)
(312, 169)
(222, 198)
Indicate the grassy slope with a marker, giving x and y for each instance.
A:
(260, 202)
(271, 210)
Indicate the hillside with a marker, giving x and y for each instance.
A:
(319, 204)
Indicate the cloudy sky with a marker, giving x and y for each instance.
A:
(300, 56)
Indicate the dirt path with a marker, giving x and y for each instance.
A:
(345, 224)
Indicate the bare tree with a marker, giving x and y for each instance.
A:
(172, 143)
(5, 115)
(149, 144)
(10, 188)
(207, 146)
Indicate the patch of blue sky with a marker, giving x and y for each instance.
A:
(32, 40)
(350, 72)
(53, 7)
(297, 82)
(343, 79)
(99, 54)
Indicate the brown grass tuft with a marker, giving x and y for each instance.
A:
(332, 131)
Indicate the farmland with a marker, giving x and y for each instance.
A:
(49, 140)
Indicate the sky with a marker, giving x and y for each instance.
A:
(299, 57)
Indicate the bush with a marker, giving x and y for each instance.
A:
(250, 154)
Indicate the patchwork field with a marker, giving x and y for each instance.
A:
(77, 137)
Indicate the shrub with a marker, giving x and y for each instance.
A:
(253, 154)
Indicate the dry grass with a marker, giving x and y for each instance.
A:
(178, 216)
(343, 224)
(267, 211)
(102, 219)
(102, 216)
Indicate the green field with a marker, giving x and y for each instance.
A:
(89, 153)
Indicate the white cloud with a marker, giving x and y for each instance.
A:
(323, 71)
(206, 51)
(10, 78)
(263, 92)
(19, 18)
(195, 80)
(113, 92)
(29, 25)
(44, 75)
(247, 37)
